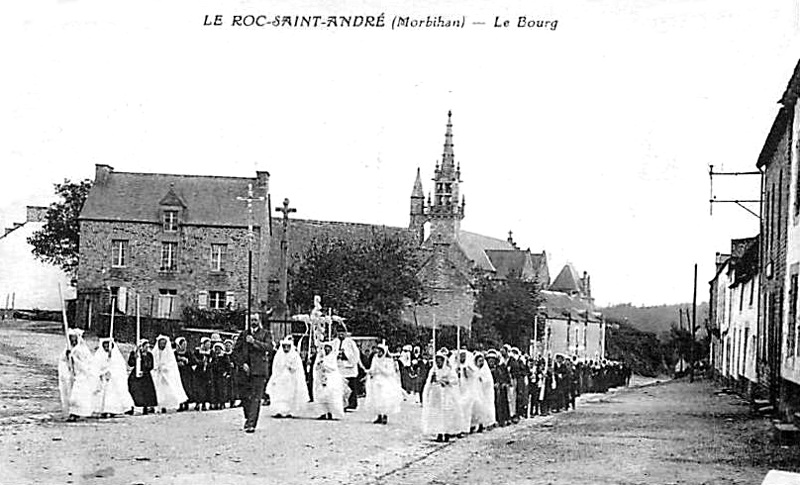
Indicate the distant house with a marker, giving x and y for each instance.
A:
(27, 283)
(572, 326)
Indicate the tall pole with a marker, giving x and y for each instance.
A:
(249, 199)
(694, 327)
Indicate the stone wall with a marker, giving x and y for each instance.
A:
(142, 270)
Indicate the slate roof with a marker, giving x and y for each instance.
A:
(563, 306)
(507, 261)
(567, 280)
(777, 131)
(475, 246)
(302, 232)
(793, 88)
(208, 200)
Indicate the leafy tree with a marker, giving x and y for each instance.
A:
(509, 307)
(643, 351)
(366, 282)
(57, 242)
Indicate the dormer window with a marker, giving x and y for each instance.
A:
(170, 220)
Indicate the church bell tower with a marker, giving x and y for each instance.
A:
(445, 211)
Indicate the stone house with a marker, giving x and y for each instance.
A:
(787, 220)
(173, 240)
(571, 325)
(773, 162)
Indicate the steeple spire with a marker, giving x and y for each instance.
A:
(448, 157)
(417, 192)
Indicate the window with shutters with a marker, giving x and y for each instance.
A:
(169, 252)
(166, 302)
(119, 253)
(218, 255)
(230, 301)
(202, 300)
(216, 300)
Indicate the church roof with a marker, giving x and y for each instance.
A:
(475, 246)
(136, 197)
(302, 232)
(567, 280)
(563, 306)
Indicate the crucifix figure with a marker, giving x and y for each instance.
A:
(284, 274)
(250, 236)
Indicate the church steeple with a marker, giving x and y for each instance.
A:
(446, 213)
(418, 217)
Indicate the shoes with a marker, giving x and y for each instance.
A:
(439, 438)
(288, 416)
(279, 415)
(129, 413)
(323, 417)
(249, 430)
(163, 410)
(379, 420)
(330, 416)
(385, 419)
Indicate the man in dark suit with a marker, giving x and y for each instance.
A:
(252, 354)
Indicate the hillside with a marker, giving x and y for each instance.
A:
(655, 319)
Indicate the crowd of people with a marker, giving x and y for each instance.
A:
(460, 391)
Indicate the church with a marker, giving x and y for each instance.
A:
(183, 240)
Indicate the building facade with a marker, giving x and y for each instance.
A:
(173, 241)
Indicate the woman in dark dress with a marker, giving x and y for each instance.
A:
(202, 375)
(220, 376)
(140, 384)
(185, 361)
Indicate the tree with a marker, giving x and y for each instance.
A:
(509, 307)
(367, 282)
(642, 351)
(58, 241)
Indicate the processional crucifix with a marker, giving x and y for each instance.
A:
(286, 210)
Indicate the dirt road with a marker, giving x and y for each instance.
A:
(668, 433)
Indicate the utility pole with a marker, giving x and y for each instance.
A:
(694, 326)
(250, 236)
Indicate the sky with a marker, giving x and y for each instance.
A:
(590, 142)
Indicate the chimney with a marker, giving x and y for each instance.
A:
(262, 179)
(101, 172)
(36, 214)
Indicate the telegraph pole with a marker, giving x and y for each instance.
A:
(694, 326)
(250, 236)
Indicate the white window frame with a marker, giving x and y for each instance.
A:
(218, 252)
(170, 255)
(216, 300)
(170, 220)
(120, 259)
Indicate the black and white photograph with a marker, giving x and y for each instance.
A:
(361, 242)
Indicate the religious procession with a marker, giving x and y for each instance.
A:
(460, 391)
